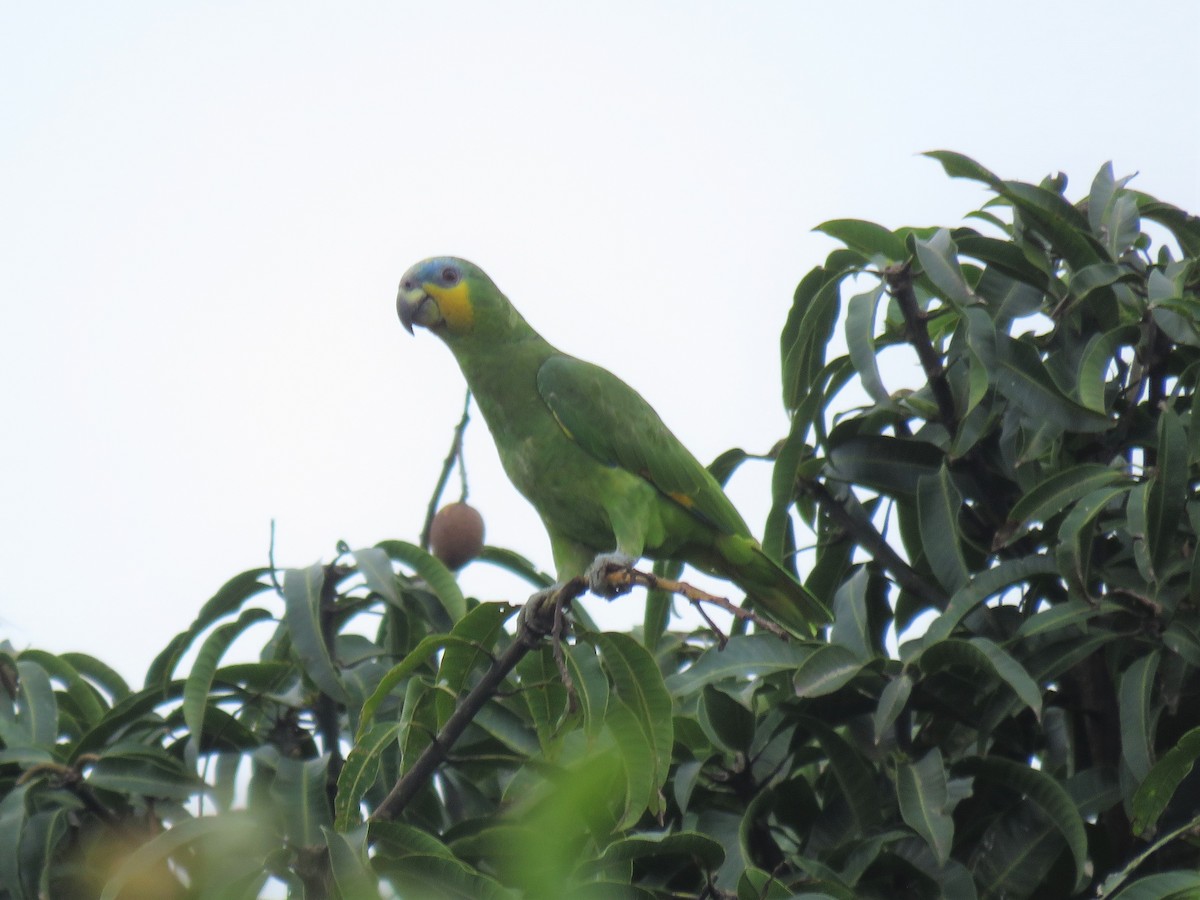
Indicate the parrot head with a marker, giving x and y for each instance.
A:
(444, 294)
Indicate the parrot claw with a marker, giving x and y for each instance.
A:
(607, 564)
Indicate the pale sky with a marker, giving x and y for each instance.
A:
(205, 209)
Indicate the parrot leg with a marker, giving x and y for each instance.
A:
(598, 572)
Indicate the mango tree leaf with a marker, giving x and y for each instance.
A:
(1050, 797)
(433, 572)
(302, 595)
(230, 597)
(892, 701)
(639, 684)
(860, 340)
(1057, 493)
(983, 655)
(1168, 491)
(866, 238)
(938, 506)
(939, 261)
(1134, 700)
(828, 668)
(477, 633)
(744, 656)
(348, 862)
(1023, 379)
(923, 797)
(360, 771)
(375, 566)
(1158, 787)
(983, 585)
(199, 682)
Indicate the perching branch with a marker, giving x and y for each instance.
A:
(455, 455)
(541, 617)
(900, 285)
(869, 538)
(627, 578)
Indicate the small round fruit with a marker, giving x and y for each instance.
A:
(456, 534)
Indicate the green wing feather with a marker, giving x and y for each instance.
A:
(612, 422)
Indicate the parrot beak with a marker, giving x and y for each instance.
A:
(415, 306)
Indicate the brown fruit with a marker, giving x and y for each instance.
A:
(456, 534)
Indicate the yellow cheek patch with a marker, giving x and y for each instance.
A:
(454, 303)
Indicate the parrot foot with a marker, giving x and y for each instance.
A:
(608, 564)
(538, 611)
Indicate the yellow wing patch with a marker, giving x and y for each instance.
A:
(684, 500)
(454, 303)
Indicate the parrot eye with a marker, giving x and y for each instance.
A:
(450, 275)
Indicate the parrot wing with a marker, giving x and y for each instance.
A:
(612, 422)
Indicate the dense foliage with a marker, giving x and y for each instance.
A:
(1016, 507)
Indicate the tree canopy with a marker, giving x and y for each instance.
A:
(999, 473)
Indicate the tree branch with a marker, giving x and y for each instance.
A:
(533, 625)
(455, 455)
(900, 285)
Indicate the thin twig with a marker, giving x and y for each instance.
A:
(271, 562)
(900, 285)
(455, 455)
(628, 577)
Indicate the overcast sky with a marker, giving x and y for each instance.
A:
(205, 209)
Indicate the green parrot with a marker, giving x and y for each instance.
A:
(611, 483)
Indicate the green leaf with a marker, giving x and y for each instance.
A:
(143, 771)
(807, 333)
(922, 792)
(434, 573)
(1023, 379)
(230, 597)
(938, 506)
(1168, 490)
(515, 563)
(958, 166)
(360, 771)
(854, 778)
(348, 862)
(591, 685)
(477, 633)
(726, 722)
(199, 681)
(299, 789)
(828, 668)
(639, 684)
(1050, 797)
(1159, 786)
(893, 466)
(638, 757)
(1057, 493)
(984, 585)
(982, 654)
(37, 709)
(1177, 885)
(1134, 701)
(939, 261)
(866, 238)
(892, 701)
(744, 656)
(1074, 550)
(375, 566)
(860, 339)
(302, 595)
